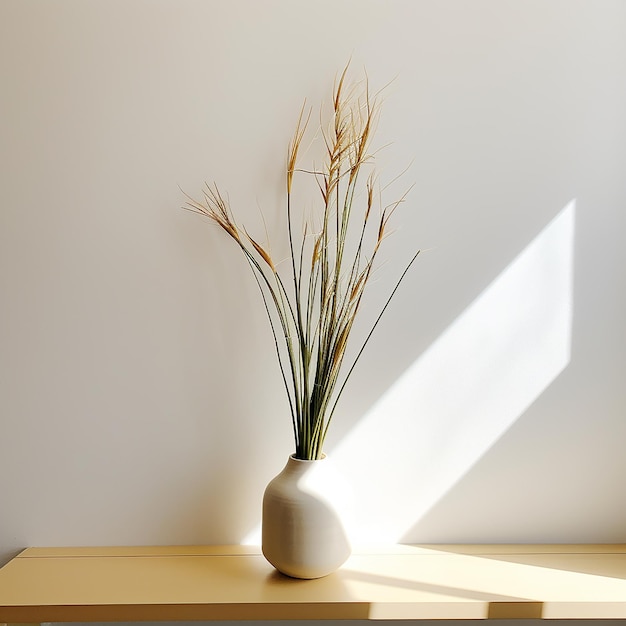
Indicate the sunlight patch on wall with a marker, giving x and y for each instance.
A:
(463, 392)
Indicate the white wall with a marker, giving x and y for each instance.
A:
(140, 401)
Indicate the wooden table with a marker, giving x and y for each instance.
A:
(392, 582)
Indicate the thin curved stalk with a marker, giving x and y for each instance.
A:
(369, 335)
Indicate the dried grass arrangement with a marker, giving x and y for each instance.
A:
(312, 304)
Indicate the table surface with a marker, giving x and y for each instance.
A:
(377, 582)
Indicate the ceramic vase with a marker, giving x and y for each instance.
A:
(303, 527)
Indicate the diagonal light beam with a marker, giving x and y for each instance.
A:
(465, 391)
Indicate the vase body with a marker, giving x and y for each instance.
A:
(303, 533)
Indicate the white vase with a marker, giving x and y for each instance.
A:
(303, 533)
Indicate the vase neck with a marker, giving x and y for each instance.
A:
(301, 466)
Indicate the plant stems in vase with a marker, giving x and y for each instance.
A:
(312, 309)
(312, 306)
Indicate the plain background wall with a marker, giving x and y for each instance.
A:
(140, 399)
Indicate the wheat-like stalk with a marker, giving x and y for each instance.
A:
(312, 310)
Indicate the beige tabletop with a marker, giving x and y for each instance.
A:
(377, 582)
